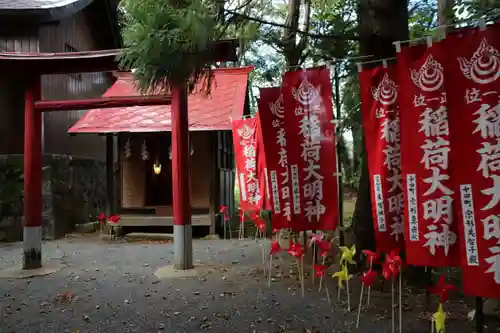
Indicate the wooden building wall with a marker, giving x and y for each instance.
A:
(71, 35)
(202, 165)
(132, 177)
(14, 39)
(226, 170)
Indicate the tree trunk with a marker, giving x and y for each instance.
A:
(381, 22)
(293, 50)
(445, 12)
(290, 34)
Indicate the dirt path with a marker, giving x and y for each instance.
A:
(113, 288)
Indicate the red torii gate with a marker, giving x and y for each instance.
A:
(32, 66)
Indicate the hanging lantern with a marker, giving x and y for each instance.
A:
(157, 167)
(191, 150)
(127, 149)
(144, 151)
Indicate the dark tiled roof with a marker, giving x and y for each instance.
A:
(34, 4)
(39, 11)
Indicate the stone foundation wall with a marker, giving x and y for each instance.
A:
(74, 192)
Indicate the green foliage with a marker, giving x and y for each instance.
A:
(423, 18)
(332, 18)
(11, 191)
(469, 9)
(167, 41)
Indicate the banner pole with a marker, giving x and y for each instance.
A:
(338, 148)
(479, 315)
(479, 300)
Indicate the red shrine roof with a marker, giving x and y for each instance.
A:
(206, 112)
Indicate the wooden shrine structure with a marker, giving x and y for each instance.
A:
(142, 153)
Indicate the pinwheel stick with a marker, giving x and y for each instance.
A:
(225, 231)
(270, 269)
(400, 303)
(323, 263)
(360, 304)
(393, 314)
(369, 287)
(314, 261)
(348, 296)
(321, 278)
(263, 247)
(434, 326)
(299, 271)
(282, 272)
(302, 274)
(241, 233)
(327, 294)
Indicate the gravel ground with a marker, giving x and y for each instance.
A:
(112, 288)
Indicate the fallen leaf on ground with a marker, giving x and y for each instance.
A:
(66, 297)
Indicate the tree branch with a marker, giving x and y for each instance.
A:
(300, 32)
(307, 15)
(291, 23)
(413, 9)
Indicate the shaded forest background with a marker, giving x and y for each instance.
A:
(281, 35)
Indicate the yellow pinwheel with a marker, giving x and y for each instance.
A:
(347, 254)
(342, 275)
(439, 318)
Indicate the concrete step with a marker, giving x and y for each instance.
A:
(149, 236)
(87, 227)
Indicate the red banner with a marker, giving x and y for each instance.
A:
(250, 164)
(310, 134)
(472, 72)
(380, 111)
(430, 226)
(274, 139)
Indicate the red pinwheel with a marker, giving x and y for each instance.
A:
(371, 257)
(114, 219)
(368, 279)
(295, 250)
(223, 210)
(392, 265)
(275, 247)
(315, 238)
(253, 215)
(260, 225)
(101, 217)
(324, 247)
(319, 270)
(257, 220)
(442, 289)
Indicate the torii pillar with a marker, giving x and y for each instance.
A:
(181, 192)
(32, 231)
